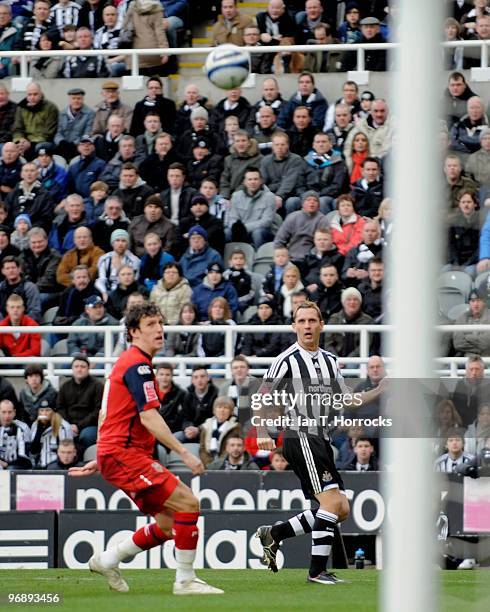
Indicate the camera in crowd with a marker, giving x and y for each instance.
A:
(480, 466)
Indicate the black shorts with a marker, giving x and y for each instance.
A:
(312, 460)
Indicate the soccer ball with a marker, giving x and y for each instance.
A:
(227, 66)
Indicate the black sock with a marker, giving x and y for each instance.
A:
(321, 541)
(297, 525)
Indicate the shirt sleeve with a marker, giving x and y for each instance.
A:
(140, 381)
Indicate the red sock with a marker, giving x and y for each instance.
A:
(150, 536)
(185, 530)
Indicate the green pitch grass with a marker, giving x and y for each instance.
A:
(246, 591)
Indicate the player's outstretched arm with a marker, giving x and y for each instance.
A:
(154, 423)
(84, 470)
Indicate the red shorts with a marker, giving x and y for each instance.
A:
(144, 479)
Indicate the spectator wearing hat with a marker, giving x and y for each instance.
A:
(213, 285)
(36, 120)
(154, 168)
(263, 344)
(18, 344)
(113, 217)
(109, 264)
(204, 163)
(200, 215)
(15, 437)
(83, 66)
(47, 431)
(341, 343)
(133, 190)
(53, 178)
(296, 232)
(478, 342)
(36, 390)
(155, 103)
(40, 263)
(6, 248)
(66, 222)
(126, 153)
(84, 252)
(29, 197)
(145, 143)
(243, 153)
(252, 211)
(171, 292)
(152, 220)
(230, 25)
(357, 259)
(79, 401)
(199, 119)
(19, 237)
(86, 170)
(110, 105)
(10, 166)
(233, 104)
(89, 343)
(46, 67)
(199, 256)
(15, 283)
(367, 98)
(178, 196)
(371, 33)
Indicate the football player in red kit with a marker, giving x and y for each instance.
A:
(129, 424)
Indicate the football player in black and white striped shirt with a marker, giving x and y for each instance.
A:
(311, 379)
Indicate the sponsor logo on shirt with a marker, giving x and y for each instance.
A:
(150, 391)
(144, 369)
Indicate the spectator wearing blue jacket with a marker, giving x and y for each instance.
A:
(8, 34)
(53, 178)
(86, 170)
(484, 263)
(211, 287)
(309, 96)
(74, 121)
(153, 261)
(174, 12)
(198, 257)
(65, 224)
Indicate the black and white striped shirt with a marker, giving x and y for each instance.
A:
(445, 463)
(311, 380)
(106, 39)
(65, 14)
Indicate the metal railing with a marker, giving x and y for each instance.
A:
(57, 365)
(134, 54)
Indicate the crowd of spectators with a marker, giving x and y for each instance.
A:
(102, 208)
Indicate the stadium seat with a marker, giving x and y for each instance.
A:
(448, 298)
(482, 280)
(456, 280)
(248, 313)
(45, 348)
(246, 248)
(174, 460)
(90, 453)
(49, 316)
(162, 454)
(261, 267)
(457, 310)
(60, 161)
(60, 349)
(265, 252)
(257, 282)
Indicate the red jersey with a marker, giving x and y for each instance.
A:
(130, 389)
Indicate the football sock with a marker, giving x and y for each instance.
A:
(321, 540)
(297, 525)
(146, 537)
(185, 534)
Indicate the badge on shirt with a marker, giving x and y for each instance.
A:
(150, 391)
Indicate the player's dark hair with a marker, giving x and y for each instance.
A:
(307, 304)
(134, 316)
